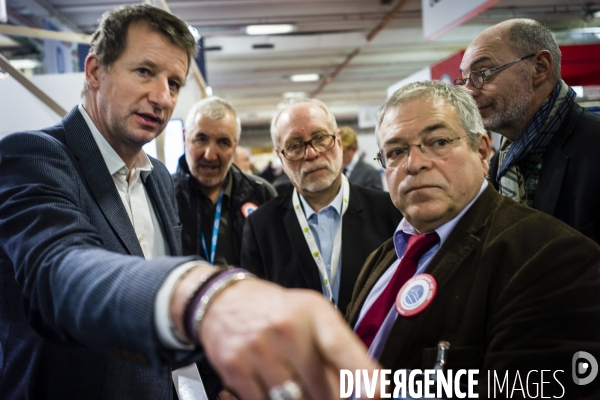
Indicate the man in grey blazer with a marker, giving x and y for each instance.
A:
(355, 168)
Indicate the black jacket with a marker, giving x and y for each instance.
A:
(246, 188)
(275, 249)
(569, 186)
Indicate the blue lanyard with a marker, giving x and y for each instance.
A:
(215, 232)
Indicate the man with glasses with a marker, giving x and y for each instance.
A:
(509, 288)
(318, 236)
(548, 156)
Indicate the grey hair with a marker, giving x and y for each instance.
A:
(457, 96)
(284, 105)
(528, 37)
(215, 108)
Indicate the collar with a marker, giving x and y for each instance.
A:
(405, 229)
(352, 164)
(336, 203)
(228, 184)
(114, 163)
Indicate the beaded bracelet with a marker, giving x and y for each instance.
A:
(205, 296)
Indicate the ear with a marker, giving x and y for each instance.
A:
(543, 67)
(484, 151)
(92, 71)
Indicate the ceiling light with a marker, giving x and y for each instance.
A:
(304, 77)
(25, 63)
(209, 91)
(294, 95)
(272, 29)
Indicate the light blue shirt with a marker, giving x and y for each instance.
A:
(403, 232)
(323, 226)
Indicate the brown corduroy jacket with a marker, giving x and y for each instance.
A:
(517, 290)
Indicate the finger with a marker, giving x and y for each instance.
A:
(299, 346)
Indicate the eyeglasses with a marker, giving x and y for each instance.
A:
(433, 147)
(320, 143)
(477, 79)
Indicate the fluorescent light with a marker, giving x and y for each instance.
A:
(294, 95)
(272, 29)
(304, 77)
(25, 63)
(209, 91)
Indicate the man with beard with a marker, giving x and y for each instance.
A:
(214, 197)
(318, 236)
(548, 156)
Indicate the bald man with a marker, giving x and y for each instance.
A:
(548, 155)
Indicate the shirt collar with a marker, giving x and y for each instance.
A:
(336, 203)
(405, 229)
(114, 163)
(352, 163)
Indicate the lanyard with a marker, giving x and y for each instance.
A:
(215, 232)
(312, 244)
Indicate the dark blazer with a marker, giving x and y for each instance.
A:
(569, 186)
(77, 297)
(274, 248)
(366, 175)
(517, 290)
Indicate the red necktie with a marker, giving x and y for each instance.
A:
(416, 247)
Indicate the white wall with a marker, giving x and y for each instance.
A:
(20, 110)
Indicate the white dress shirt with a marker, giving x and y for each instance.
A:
(145, 223)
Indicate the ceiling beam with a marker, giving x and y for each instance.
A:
(350, 56)
(12, 30)
(36, 91)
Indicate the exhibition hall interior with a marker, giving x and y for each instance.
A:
(255, 53)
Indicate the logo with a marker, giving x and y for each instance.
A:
(248, 208)
(584, 364)
(416, 295)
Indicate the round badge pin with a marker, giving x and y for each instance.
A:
(416, 295)
(248, 208)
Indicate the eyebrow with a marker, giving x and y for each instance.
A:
(477, 61)
(426, 131)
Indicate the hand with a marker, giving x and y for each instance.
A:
(258, 335)
(226, 395)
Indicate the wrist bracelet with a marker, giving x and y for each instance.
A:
(190, 303)
(205, 297)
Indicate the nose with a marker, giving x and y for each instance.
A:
(160, 95)
(210, 152)
(416, 160)
(310, 153)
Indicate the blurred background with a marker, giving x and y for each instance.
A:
(255, 53)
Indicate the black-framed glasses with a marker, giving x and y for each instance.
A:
(477, 79)
(320, 143)
(432, 147)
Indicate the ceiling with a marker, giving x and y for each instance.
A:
(255, 79)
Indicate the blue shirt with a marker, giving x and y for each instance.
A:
(403, 232)
(323, 226)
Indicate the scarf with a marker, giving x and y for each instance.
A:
(520, 158)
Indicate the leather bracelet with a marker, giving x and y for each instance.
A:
(205, 297)
(189, 305)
